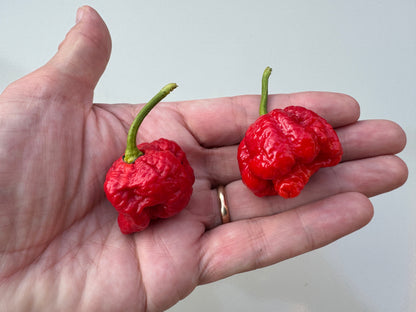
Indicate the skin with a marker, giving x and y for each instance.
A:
(60, 246)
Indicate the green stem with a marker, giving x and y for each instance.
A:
(132, 152)
(264, 90)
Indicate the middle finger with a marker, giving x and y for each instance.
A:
(360, 140)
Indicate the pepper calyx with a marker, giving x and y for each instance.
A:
(132, 152)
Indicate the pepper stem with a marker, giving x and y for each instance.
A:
(264, 90)
(132, 152)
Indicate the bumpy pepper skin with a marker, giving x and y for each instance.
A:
(151, 180)
(157, 184)
(284, 148)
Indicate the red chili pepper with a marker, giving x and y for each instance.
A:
(151, 180)
(282, 149)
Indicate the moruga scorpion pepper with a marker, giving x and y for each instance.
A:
(151, 180)
(282, 149)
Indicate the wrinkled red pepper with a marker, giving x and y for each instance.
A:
(282, 149)
(150, 181)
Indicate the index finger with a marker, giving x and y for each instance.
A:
(224, 121)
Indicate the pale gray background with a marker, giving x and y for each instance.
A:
(219, 48)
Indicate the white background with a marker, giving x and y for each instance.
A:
(219, 48)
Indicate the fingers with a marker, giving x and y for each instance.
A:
(75, 69)
(218, 165)
(369, 167)
(359, 140)
(370, 176)
(371, 138)
(84, 54)
(224, 121)
(269, 240)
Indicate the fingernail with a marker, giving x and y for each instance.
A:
(80, 14)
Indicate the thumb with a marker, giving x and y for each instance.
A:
(83, 55)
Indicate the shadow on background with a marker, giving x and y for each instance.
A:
(303, 284)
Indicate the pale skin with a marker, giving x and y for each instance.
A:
(60, 245)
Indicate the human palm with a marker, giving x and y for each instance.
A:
(60, 243)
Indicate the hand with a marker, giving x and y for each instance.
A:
(61, 248)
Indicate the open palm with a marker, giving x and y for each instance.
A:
(60, 245)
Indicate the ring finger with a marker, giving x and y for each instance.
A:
(367, 176)
(360, 140)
